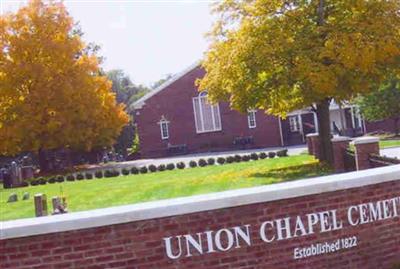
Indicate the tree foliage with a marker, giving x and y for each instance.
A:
(382, 104)
(52, 94)
(126, 92)
(161, 81)
(281, 55)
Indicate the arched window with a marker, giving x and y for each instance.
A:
(207, 117)
(164, 128)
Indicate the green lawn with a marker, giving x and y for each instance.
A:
(385, 144)
(100, 193)
(389, 143)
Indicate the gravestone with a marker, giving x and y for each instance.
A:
(12, 198)
(59, 207)
(40, 201)
(7, 181)
(25, 196)
(16, 178)
(27, 172)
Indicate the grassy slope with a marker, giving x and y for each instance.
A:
(100, 193)
(389, 143)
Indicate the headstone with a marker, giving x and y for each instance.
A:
(7, 181)
(40, 205)
(59, 205)
(16, 178)
(25, 196)
(26, 161)
(12, 198)
(27, 172)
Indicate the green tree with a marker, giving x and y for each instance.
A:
(161, 81)
(281, 55)
(126, 92)
(382, 104)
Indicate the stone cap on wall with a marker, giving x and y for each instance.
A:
(199, 203)
(312, 134)
(365, 140)
(340, 138)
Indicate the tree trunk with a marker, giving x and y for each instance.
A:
(43, 161)
(325, 131)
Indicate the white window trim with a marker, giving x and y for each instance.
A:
(197, 124)
(296, 124)
(253, 112)
(161, 123)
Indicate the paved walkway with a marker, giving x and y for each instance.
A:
(391, 152)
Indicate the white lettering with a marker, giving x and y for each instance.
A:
(350, 216)
(326, 226)
(218, 242)
(263, 230)
(168, 247)
(190, 241)
(244, 235)
(283, 225)
(363, 208)
(299, 227)
(312, 220)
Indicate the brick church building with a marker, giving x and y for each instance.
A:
(176, 119)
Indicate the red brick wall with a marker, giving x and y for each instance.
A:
(175, 103)
(140, 244)
(379, 126)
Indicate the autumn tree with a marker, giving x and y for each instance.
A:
(52, 94)
(382, 104)
(283, 55)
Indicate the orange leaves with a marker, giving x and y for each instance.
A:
(51, 93)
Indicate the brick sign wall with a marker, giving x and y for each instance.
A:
(353, 225)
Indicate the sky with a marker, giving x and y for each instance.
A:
(148, 39)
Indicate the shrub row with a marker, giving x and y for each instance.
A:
(162, 167)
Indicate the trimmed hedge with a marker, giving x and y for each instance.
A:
(254, 156)
(221, 160)
(246, 158)
(202, 163)
(134, 171)
(152, 168)
(143, 170)
(237, 158)
(170, 166)
(108, 173)
(161, 167)
(210, 161)
(282, 153)
(230, 159)
(263, 155)
(180, 165)
(98, 174)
